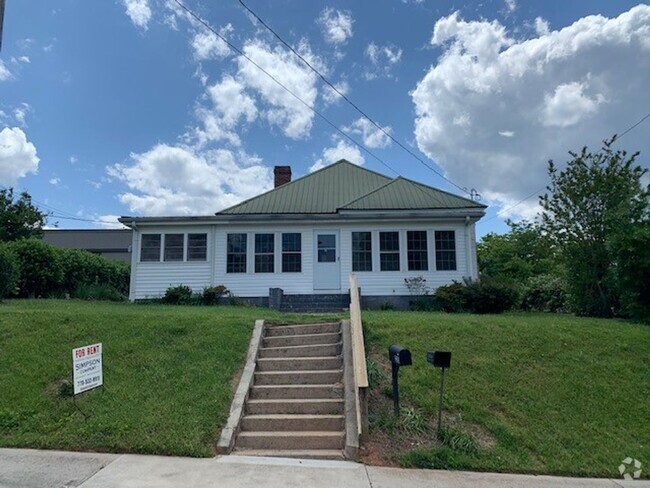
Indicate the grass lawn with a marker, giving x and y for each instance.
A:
(539, 393)
(168, 373)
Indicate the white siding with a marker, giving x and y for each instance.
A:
(151, 279)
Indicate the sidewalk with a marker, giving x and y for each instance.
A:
(25, 468)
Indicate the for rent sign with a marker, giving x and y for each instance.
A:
(87, 368)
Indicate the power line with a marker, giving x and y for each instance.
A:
(284, 87)
(354, 105)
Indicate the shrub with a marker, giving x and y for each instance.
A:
(178, 295)
(40, 268)
(9, 271)
(212, 294)
(98, 291)
(84, 268)
(452, 298)
(489, 296)
(544, 293)
(417, 286)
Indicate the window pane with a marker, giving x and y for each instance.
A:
(389, 261)
(197, 247)
(291, 242)
(326, 255)
(389, 241)
(291, 263)
(361, 251)
(326, 241)
(264, 263)
(264, 243)
(174, 247)
(150, 250)
(236, 245)
(417, 250)
(264, 249)
(236, 263)
(445, 250)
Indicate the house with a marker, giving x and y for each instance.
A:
(305, 237)
(108, 243)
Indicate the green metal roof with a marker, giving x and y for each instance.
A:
(344, 185)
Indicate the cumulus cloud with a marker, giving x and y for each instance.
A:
(371, 135)
(139, 12)
(20, 113)
(336, 25)
(341, 150)
(511, 5)
(331, 97)
(108, 221)
(5, 74)
(17, 156)
(178, 180)
(382, 60)
(493, 109)
(55, 181)
(207, 45)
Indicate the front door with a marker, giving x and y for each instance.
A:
(327, 274)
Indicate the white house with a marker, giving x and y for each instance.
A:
(306, 236)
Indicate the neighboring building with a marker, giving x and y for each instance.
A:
(306, 236)
(109, 243)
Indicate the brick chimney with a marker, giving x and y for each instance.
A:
(282, 175)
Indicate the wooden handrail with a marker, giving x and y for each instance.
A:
(358, 358)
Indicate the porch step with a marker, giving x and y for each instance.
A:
(291, 440)
(312, 406)
(301, 351)
(298, 422)
(331, 454)
(277, 392)
(283, 330)
(315, 377)
(300, 364)
(302, 339)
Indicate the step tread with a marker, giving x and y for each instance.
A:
(300, 371)
(296, 358)
(305, 386)
(303, 346)
(292, 453)
(288, 326)
(295, 400)
(291, 433)
(293, 416)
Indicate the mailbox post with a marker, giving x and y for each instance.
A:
(398, 356)
(442, 360)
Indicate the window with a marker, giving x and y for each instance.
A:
(174, 244)
(389, 251)
(150, 250)
(361, 251)
(445, 250)
(291, 249)
(236, 253)
(416, 244)
(264, 249)
(197, 247)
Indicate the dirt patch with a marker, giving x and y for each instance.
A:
(61, 388)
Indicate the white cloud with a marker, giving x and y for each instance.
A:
(24, 59)
(284, 110)
(139, 12)
(542, 27)
(55, 181)
(336, 25)
(5, 74)
(178, 180)
(382, 60)
(511, 5)
(108, 221)
(331, 97)
(493, 109)
(341, 150)
(20, 113)
(17, 156)
(372, 136)
(207, 45)
(73, 159)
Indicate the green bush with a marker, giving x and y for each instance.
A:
(40, 268)
(82, 268)
(544, 293)
(98, 291)
(451, 298)
(212, 294)
(178, 295)
(9, 271)
(489, 296)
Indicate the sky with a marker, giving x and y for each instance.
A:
(133, 107)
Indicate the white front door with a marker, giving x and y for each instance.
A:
(327, 274)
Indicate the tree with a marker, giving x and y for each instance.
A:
(19, 219)
(523, 252)
(590, 210)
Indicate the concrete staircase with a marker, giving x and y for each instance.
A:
(315, 303)
(295, 406)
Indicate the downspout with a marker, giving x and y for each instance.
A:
(134, 260)
(468, 249)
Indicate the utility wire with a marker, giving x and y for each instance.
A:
(354, 105)
(284, 87)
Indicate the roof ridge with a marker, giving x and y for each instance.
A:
(442, 191)
(328, 167)
(393, 180)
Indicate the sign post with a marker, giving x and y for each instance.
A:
(440, 359)
(87, 371)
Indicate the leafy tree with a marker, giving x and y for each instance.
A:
(19, 219)
(523, 252)
(9, 271)
(590, 209)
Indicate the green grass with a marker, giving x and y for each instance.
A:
(556, 394)
(168, 373)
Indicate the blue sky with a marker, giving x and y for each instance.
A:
(130, 107)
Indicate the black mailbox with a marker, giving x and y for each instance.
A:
(440, 359)
(399, 355)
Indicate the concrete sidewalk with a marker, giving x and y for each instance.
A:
(25, 468)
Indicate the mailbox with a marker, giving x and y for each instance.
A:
(440, 359)
(399, 355)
